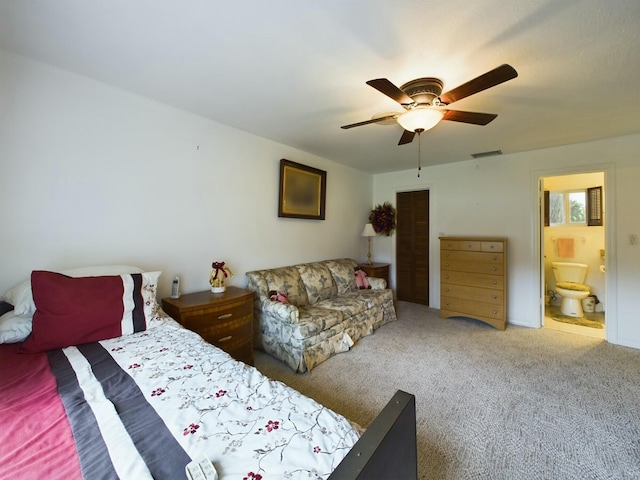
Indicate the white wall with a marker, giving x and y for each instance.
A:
(90, 174)
(498, 196)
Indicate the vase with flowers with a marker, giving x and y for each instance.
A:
(218, 277)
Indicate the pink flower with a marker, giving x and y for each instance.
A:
(191, 429)
(272, 425)
(134, 365)
(316, 449)
(221, 393)
(157, 392)
(254, 476)
(187, 367)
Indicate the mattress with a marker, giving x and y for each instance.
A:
(144, 404)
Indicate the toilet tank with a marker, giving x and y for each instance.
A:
(569, 272)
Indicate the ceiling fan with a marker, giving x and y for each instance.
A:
(425, 104)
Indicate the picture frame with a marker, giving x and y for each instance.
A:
(303, 191)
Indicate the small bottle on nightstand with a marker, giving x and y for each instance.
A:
(175, 287)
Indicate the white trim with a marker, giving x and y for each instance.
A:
(611, 294)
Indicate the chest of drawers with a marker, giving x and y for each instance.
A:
(473, 279)
(222, 319)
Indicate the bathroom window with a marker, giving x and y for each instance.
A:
(568, 208)
(573, 207)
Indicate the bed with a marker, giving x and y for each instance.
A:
(97, 382)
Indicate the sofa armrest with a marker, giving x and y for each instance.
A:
(377, 283)
(283, 312)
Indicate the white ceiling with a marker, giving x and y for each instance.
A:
(294, 71)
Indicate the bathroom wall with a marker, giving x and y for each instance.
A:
(588, 241)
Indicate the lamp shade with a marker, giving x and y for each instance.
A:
(420, 119)
(368, 231)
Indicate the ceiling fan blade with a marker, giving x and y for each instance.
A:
(390, 90)
(490, 79)
(373, 120)
(475, 118)
(407, 137)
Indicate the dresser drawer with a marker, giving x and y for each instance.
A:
(492, 246)
(472, 256)
(473, 279)
(478, 294)
(473, 267)
(469, 245)
(471, 308)
(449, 245)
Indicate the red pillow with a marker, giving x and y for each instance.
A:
(72, 311)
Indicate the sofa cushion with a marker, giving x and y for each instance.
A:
(314, 320)
(342, 270)
(318, 281)
(287, 279)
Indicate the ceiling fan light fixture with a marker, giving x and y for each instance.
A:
(420, 119)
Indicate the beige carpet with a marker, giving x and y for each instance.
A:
(518, 404)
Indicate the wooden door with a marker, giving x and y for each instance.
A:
(412, 247)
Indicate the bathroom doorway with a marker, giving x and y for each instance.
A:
(573, 232)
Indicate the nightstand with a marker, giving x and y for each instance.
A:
(222, 319)
(378, 270)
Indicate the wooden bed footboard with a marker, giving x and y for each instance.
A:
(388, 448)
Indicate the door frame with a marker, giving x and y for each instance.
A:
(434, 293)
(611, 330)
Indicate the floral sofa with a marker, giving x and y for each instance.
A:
(326, 315)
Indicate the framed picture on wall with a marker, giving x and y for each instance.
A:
(303, 191)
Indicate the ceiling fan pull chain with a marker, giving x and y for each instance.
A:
(419, 131)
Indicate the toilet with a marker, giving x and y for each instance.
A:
(569, 285)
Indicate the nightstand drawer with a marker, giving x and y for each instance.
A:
(218, 317)
(222, 333)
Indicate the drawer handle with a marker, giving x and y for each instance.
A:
(495, 258)
(447, 304)
(446, 264)
(225, 316)
(446, 254)
(446, 289)
(491, 247)
(229, 337)
(495, 297)
(447, 277)
(494, 269)
(495, 312)
(495, 282)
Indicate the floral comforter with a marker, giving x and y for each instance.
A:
(143, 405)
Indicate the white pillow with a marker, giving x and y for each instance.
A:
(21, 297)
(14, 328)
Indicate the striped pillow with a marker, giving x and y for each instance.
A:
(72, 311)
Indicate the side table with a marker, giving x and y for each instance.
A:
(378, 270)
(222, 319)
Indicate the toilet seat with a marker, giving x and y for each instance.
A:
(574, 286)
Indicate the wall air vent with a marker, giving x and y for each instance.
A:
(486, 154)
